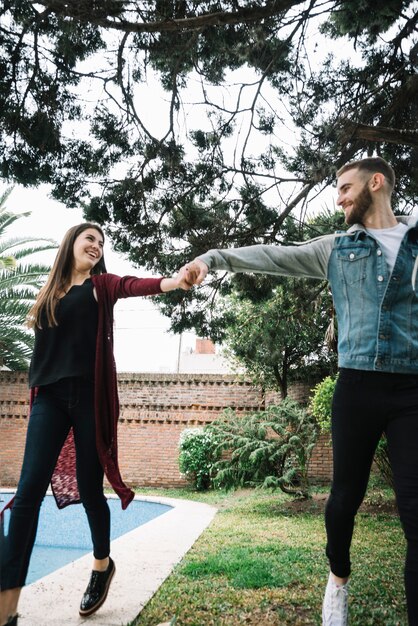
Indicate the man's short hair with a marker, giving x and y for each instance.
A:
(371, 165)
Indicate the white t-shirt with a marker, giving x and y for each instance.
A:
(389, 240)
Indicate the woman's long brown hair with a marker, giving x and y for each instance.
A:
(60, 277)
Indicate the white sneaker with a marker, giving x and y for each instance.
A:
(335, 605)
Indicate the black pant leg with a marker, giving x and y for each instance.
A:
(402, 435)
(89, 470)
(47, 429)
(357, 425)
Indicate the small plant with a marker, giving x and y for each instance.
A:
(197, 456)
(270, 448)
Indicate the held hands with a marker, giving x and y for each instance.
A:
(186, 278)
(190, 274)
(197, 271)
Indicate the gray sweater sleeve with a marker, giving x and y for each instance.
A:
(307, 260)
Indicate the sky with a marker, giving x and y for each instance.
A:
(142, 340)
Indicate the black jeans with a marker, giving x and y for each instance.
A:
(365, 405)
(57, 407)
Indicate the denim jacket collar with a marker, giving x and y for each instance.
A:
(410, 220)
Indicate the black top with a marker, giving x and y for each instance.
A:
(67, 349)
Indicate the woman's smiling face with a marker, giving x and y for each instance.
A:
(88, 249)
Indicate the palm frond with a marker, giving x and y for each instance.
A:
(15, 309)
(4, 196)
(11, 279)
(25, 294)
(21, 254)
(16, 341)
(19, 284)
(9, 245)
(15, 356)
(7, 219)
(7, 262)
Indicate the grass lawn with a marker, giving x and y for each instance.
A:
(261, 562)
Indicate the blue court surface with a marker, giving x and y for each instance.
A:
(64, 535)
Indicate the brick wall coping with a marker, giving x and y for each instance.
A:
(154, 376)
(186, 378)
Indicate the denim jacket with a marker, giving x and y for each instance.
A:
(377, 311)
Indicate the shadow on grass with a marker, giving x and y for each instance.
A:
(274, 507)
(315, 506)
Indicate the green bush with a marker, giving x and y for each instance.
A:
(197, 456)
(269, 448)
(321, 402)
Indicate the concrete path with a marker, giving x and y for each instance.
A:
(144, 558)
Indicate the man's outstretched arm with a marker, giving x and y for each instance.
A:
(306, 260)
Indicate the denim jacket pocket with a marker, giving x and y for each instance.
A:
(352, 262)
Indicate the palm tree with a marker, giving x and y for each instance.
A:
(19, 284)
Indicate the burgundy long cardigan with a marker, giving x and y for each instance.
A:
(109, 289)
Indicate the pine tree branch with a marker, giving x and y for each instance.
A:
(355, 130)
(219, 18)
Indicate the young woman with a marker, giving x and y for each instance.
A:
(72, 431)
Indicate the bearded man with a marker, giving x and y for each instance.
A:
(372, 270)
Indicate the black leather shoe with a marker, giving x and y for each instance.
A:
(12, 621)
(96, 592)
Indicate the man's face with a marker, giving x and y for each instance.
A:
(354, 196)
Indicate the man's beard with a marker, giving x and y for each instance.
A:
(360, 206)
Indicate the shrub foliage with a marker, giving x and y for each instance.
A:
(269, 449)
(197, 455)
(321, 402)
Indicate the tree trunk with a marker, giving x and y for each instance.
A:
(354, 130)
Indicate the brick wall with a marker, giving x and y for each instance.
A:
(155, 408)
(320, 466)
